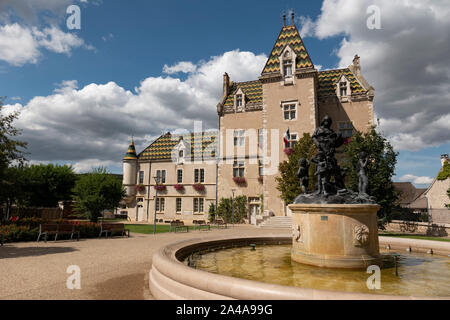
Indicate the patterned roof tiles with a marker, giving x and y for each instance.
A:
(289, 35)
(131, 152)
(329, 78)
(201, 145)
(251, 89)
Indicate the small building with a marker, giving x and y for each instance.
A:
(436, 194)
(411, 197)
(186, 169)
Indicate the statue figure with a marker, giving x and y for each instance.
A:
(330, 177)
(322, 173)
(303, 174)
(363, 181)
(327, 141)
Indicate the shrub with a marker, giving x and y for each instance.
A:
(225, 209)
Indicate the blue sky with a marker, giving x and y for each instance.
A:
(123, 46)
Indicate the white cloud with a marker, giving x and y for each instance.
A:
(183, 66)
(90, 164)
(407, 62)
(18, 46)
(53, 39)
(21, 45)
(415, 179)
(92, 125)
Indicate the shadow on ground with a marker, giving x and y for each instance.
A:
(14, 252)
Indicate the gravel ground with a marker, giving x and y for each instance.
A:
(114, 268)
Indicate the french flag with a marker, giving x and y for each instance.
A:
(286, 138)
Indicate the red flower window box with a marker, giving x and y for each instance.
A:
(178, 187)
(198, 187)
(239, 180)
(160, 187)
(288, 151)
(139, 187)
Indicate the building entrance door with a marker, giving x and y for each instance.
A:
(140, 211)
(254, 211)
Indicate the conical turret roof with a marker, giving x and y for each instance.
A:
(131, 152)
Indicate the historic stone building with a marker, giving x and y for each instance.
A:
(290, 94)
(185, 166)
(253, 118)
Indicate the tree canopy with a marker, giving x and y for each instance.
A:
(288, 183)
(380, 169)
(97, 191)
(225, 209)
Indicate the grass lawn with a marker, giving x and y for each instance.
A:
(400, 235)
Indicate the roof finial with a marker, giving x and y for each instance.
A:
(293, 16)
(284, 18)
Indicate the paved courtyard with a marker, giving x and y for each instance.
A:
(114, 268)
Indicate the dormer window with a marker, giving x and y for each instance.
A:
(239, 100)
(343, 89)
(181, 154)
(287, 68)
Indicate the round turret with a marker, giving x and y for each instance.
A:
(129, 170)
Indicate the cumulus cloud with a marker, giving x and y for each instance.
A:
(183, 66)
(407, 61)
(91, 126)
(18, 46)
(415, 179)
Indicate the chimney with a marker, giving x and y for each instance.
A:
(293, 16)
(284, 19)
(226, 84)
(444, 158)
(356, 65)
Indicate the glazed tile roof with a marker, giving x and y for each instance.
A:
(289, 35)
(329, 78)
(131, 152)
(251, 89)
(162, 147)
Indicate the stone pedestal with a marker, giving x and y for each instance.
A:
(335, 235)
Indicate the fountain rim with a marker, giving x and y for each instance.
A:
(171, 279)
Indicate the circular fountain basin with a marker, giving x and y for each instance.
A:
(171, 278)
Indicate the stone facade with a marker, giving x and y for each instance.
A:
(291, 94)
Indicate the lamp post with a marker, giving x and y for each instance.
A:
(157, 180)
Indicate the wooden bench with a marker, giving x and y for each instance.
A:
(110, 228)
(201, 224)
(47, 229)
(219, 223)
(178, 226)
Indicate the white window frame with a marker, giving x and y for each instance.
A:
(292, 141)
(160, 204)
(289, 104)
(178, 176)
(141, 177)
(199, 175)
(162, 174)
(343, 128)
(239, 165)
(180, 202)
(239, 137)
(200, 204)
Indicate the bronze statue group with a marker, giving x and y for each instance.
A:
(327, 141)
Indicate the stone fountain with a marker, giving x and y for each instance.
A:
(334, 227)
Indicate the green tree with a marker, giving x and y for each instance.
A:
(288, 183)
(225, 209)
(448, 194)
(380, 169)
(212, 212)
(97, 191)
(48, 184)
(13, 188)
(10, 148)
